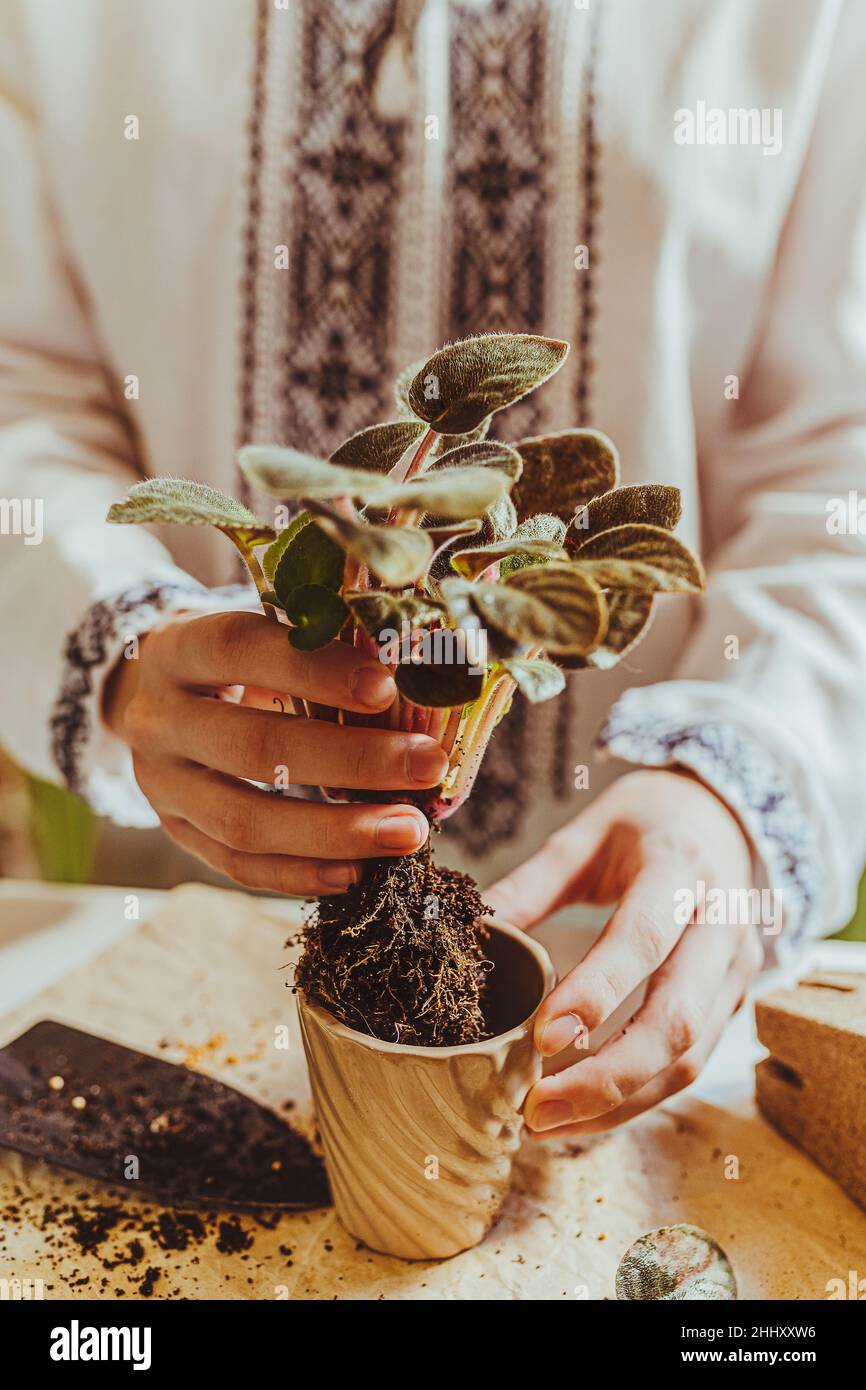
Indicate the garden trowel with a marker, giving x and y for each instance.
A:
(133, 1120)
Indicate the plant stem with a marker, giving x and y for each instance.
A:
(255, 571)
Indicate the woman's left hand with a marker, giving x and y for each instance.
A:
(648, 838)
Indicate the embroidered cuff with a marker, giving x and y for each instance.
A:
(746, 777)
(91, 760)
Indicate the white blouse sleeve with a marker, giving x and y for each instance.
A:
(73, 589)
(769, 703)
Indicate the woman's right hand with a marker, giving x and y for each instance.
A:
(192, 752)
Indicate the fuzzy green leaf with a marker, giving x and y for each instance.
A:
(543, 527)
(454, 493)
(563, 471)
(552, 606)
(274, 552)
(628, 617)
(318, 614)
(401, 388)
(538, 680)
(174, 501)
(503, 519)
(649, 546)
(289, 473)
(378, 611)
(465, 381)
(471, 563)
(398, 555)
(651, 504)
(444, 442)
(311, 558)
(378, 448)
(486, 453)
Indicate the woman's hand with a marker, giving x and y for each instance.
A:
(647, 837)
(191, 752)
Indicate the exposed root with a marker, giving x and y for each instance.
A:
(400, 955)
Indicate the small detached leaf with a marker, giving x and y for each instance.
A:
(378, 448)
(380, 611)
(563, 471)
(464, 382)
(652, 504)
(318, 614)
(538, 680)
(615, 556)
(552, 606)
(398, 555)
(165, 501)
(311, 558)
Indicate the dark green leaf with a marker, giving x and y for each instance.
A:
(318, 613)
(563, 471)
(310, 559)
(464, 382)
(274, 552)
(398, 555)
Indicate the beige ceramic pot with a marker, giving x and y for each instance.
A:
(419, 1141)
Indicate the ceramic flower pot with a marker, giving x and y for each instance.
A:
(419, 1141)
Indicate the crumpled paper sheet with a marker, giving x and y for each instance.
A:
(207, 975)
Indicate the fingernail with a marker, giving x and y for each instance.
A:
(559, 1032)
(373, 686)
(338, 875)
(400, 832)
(427, 764)
(550, 1114)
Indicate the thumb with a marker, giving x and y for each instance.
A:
(547, 881)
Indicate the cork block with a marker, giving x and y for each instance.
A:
(812, 1086)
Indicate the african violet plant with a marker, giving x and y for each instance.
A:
(424, 529)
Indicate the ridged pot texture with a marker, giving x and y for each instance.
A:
(419, 1141)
